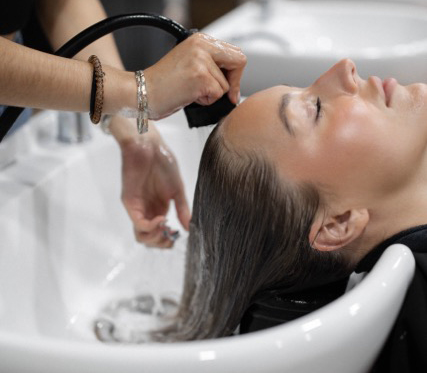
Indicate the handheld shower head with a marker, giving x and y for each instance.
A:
(199, 116)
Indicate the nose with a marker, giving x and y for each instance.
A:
(340, 77)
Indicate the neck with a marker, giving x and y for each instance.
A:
(393, 214)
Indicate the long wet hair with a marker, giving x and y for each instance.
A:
(249, 232)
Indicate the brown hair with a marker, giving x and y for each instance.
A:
(249, 231)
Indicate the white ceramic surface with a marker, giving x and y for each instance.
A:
(67, 248)
(293, 42)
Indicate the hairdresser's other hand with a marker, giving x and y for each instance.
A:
(150, 179)
(193, 72)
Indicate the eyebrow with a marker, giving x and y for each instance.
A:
(284, 102)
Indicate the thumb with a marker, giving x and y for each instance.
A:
(234, 77)
(182, 209)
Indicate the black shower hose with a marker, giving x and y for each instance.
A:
(196, 115)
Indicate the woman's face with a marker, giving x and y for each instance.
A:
(342, 133)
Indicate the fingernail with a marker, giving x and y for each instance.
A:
(171, 235)
(238, 97)
(174, 236)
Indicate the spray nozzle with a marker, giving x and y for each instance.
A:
(199, 116)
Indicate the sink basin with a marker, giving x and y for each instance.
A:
(293, 42)
(67, 250)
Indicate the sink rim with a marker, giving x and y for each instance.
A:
(223, 28)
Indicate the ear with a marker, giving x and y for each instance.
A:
(334, 232)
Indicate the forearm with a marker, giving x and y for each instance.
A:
(63, 19)
(30, 78)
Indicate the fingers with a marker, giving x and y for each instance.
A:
(219, 77)
(232, 59)
(161, 236)
(193, 72)
(182, 209)
(150, 231)
(212, 92)
(234, 77)
(227, 57)
(146, 225)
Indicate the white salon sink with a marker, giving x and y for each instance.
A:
(67, 249)
(294, 42)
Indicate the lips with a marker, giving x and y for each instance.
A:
(389, 85)
(385, 88)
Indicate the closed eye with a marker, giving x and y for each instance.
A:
(319, 108)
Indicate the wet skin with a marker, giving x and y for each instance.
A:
(343, 134)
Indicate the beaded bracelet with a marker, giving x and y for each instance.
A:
(97, 92)
(142, 119)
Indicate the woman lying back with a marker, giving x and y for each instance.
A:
(296, 187)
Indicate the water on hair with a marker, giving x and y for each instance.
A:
(241, 241)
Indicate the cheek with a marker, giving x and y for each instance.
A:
(367, 150)
(343, 150)
(358, 130)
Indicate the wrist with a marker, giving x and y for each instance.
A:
(125, 132)
(154, 113)
(119, 92)
(122, 129)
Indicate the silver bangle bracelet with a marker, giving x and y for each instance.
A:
(142, 119)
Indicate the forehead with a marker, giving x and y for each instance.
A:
(255, 123)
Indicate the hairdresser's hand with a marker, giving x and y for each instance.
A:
(150, 180)
(193, 72)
